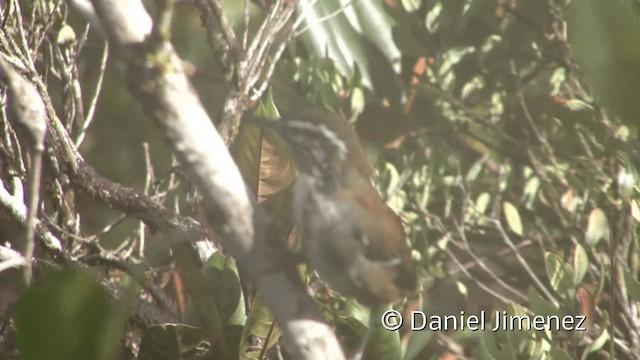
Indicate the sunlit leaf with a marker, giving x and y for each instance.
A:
(513, 217)
(635, 210)
(569, 201)
(411, 5)
(580, 264)
(431, 21)
(597, 228)
(577, 105)
(560, 276)
(482, 202)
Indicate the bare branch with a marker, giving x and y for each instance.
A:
(28, 113)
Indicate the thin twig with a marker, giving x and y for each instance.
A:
(523, 262)
(94, 101)
(480, 284)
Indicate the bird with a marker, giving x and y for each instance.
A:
(350, 237)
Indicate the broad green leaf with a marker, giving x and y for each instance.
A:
(382, 344)
(580, 265)
(597, 344)
(499, 345)
(417, 342)
(358, 315)
(539, 305)
(597, 228)
(66, 315)
(513, 217)
(222, 281)
(560, 276)
(259, 326)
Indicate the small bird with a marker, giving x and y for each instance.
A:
(350, 237)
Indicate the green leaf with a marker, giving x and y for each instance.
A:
(577, 105)
(267, 108)
(418, 340)
(580, 265)
(357, 100)
(393, 178)
(259, 323)
(499, 345)
(431, 21)
(357, 315)
(513, 217)
(635, 210)
(66, 315)
(632, 285)
(357, 36)
(560, 276)
(372, 16)
(411, 5)
(596, 345)
(382, 344)
(66, 35)
(597, 228)
(482, 202)
(516, 337)
(540, 306)
(223, 288)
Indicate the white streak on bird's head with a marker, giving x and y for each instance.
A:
(316, 150)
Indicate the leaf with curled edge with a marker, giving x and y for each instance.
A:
(266, 167)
